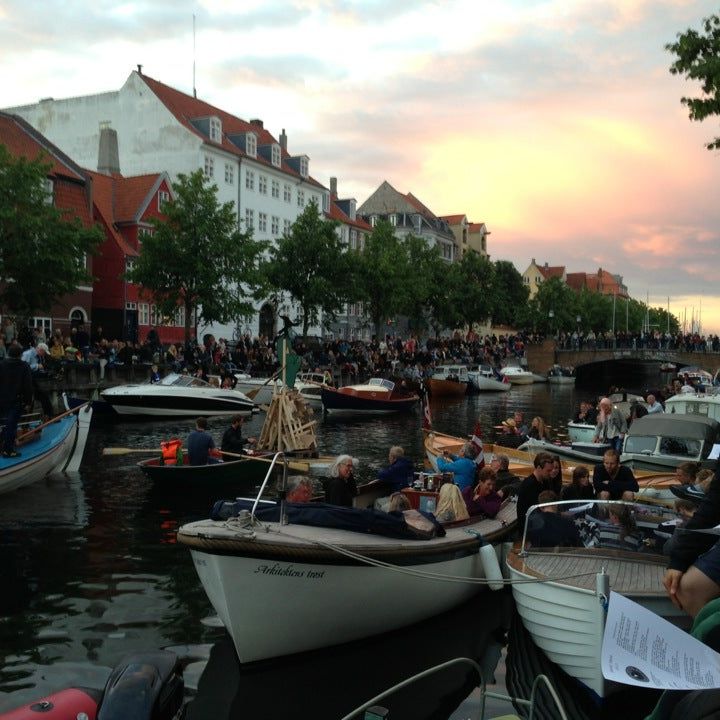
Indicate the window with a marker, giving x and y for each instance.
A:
(373, 220)
(44, 323)
(262, 184)
(275, 156)
(209, 167)
(250, 180)
(251, 144)
(303, 167)
(275, 227)
(215, 129)
(129, 264)
(287, 193)
(49, 187)
(353, 239)
(154, 317)
(275, 189)
(262, 222)
(229, 174)
(249, 218)
(180, 316)
(301, 198)
(393, 220)
(132, 306)
(163, 197)
(143, 314)
(287, 227)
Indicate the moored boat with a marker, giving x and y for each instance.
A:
(55, 446)
(485, 379)
(558, 375)
(376, 396)
(344, 584)
(178, 396)
(517, 376)
(448, 381)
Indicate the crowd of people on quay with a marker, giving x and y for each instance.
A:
(689, 342)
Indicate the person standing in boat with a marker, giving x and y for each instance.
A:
(399, 473)
(199, 444)
(463, 468)
(16, 390)
(611, 426)
(232, 439)
(341, 488)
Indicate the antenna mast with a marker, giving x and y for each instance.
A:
(194, 88)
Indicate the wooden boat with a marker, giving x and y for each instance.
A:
(376, 396)
(654, 486)
(448, 381)
(564, 610)
(57, 446)
(344, 585)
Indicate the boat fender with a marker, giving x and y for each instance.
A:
(67, 704)
(144, 686)
(491, 567)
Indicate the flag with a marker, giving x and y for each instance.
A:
(477, 445)
(427, 417)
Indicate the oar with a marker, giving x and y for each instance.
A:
(58, 417)
(126, 450)
(252, 394)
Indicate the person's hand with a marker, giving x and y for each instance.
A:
(671, 581)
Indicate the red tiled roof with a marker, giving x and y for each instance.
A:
(420, 207)
(576, 281)
(131, 196)
(186, 108)
(335, 213)
(552, 271)
(105, 188)
(22, 140)
(475, 227)
(453, 219)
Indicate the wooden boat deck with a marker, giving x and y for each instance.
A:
(630, 573)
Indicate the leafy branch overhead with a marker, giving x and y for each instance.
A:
(698, 58)
(198, 258)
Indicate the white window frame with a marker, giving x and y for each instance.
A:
(209, 166)
(275, 225)
(44, 323)
(49, 188)
(249, 219)
(287, 193)
(215, 129)
(276, 155)
(163, 196)
(249, 180)
(179, 318)
(301, 198)
(287, 227)
(275, 189)
(262, 222)
(229, 174)
(143, 314)
(262, 184)
(251, 144)
(304, 167)
(129, 263)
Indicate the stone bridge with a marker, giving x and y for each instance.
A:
(541, 357)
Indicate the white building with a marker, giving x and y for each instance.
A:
(160, 128)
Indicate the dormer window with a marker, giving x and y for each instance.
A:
(251, 144)
(215, 130)
(393, 219)
(276, 156)
(303, 167)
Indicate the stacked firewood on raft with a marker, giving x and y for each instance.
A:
(289, 426)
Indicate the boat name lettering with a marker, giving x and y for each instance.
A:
(288, 571)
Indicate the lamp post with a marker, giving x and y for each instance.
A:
(551, 315)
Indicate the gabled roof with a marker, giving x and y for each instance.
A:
(186, 108)
(476, 227)
(105, 188)
(453, 219)
(423, 209)
(335, 213)
(134, 194)
(22, 140)
(551, 271)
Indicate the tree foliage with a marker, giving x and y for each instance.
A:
(698, 58)
(198, 258)
(510, 294)
(311, 265)
(424, 265)
(42, 248)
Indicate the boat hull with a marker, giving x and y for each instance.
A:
(242, 474)
(349, 401)
(136, 402)
(486, 384)
(446, 388)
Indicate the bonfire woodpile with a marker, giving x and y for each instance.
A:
(289, 426)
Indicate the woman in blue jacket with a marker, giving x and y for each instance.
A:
(462, 467)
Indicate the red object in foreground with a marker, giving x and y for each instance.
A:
(63, 705)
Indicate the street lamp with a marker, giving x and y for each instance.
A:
(551, 315)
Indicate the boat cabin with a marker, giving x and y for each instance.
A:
(177, 380)
(702, 405)
(459, 373)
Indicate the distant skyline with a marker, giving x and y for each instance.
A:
(556, 122)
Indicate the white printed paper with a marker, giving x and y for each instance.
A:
(714, 452)
(641, 648)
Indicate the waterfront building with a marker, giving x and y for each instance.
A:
(468, 235)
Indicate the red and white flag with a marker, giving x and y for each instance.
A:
(477, 444)
(427, 417)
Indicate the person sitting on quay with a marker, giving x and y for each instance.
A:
(613, 481)
(587, 414)
(199, 444)
(232, 439)
(462, 467)
(547, 527)
(483, 499)
(341, 488)
(399, 473)
(611, 426)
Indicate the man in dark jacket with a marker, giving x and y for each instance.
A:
(611, 479)
(232, 439)
(16, 390)
(693, 575)
(399, 474)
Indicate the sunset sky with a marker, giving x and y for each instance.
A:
(555, 122)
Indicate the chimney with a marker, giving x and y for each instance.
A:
(257, 123)
(108, 155)
(283, 140)
(333, 187)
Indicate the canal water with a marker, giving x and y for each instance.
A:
(91, 572)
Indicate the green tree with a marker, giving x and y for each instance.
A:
(311, 265)
(510, 294)
(426, 265)
(556, 306)
(698, 58)
(198, 259)
(474, 288)
(42, 248)
(382, 275)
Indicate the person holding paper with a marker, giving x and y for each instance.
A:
(693, 575)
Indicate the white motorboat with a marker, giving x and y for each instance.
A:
(177, 396)
(517, 376)
(343, 584)
(686, 404)
(259, 390)
(485, 379)
(662, 441)
(558, 375)
(580, 432)
(310, 385)
(561, 595)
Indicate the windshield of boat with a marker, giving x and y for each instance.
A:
(183, 381)
(387, 384)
